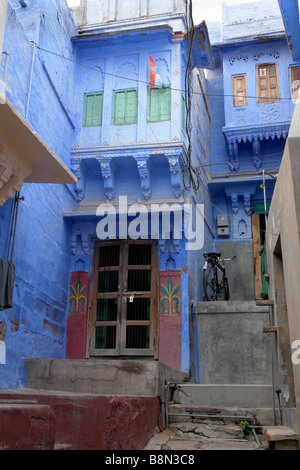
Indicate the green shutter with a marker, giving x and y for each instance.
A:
(119, 107)
(131, 107)
(164, 104)
(159, 104)
(93, 107)
(125, 107)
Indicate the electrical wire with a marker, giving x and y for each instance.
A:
(217, 95)
(193, 172)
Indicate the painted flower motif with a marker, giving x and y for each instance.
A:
(78, 295)
(170, 297)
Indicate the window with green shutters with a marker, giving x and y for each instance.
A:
(125, 107)
(93, 106)
(159, 104)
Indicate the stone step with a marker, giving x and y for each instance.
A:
(26, 426)
(281, 437)
(208, 435)
(101, 377)
(202, 413)
(209, 429)
(228, 395)
(82, 421)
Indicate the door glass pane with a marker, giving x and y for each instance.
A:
(139, 280)
(107, 309)
(272, 70)
(108, 281)
(139, 309)
(137, 336)
(105, 337)
(139, 255)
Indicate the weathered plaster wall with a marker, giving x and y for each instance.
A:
(232, 348)
(39, 85)
(283, 266)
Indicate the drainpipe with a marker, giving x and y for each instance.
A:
(195, 342)
(265, 198)
(31, 74)
(13, 230)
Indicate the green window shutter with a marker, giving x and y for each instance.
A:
(159, 104)
(164, 104)
(93, 107)
(131, 107)
(119, 107)
(97, 109)
(153, 104)
(125, 107)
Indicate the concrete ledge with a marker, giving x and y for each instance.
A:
(234, 306)
(228, 395)
(281, 437)
(102, 377)
(26, 426)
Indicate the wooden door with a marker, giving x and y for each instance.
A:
(124, 304)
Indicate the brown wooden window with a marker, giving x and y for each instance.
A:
(295, 81)
(239, 87)
(267, 83)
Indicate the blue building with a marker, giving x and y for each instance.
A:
(108, 266)
(108, 263)
(251, 93)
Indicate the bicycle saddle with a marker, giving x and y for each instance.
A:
(212, 255)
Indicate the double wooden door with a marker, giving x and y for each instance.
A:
(123, 307)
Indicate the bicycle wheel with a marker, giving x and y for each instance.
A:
(226, 295)
(210, 281)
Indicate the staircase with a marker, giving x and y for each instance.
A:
(233, 360)
(86, 404)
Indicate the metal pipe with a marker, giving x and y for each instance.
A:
(15, 225)
(12, 224)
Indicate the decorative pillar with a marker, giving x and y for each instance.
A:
(169, 342)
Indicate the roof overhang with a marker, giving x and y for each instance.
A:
(202, 52)
(24, 156)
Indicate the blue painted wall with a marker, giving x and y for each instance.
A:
(35, 326)
(109, 160)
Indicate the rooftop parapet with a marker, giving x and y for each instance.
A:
(92, 14)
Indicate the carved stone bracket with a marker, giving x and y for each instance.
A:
(256, 152)
(244, 193)
(12, 176)
(78, 188)
(175, 174)
(82, 235)
(108, 177)
(145, 175)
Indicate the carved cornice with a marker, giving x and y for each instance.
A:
(107, 156)
(265, 131)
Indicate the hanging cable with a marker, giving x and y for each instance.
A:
(191, 174)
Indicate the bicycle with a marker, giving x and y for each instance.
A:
(214, 288)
